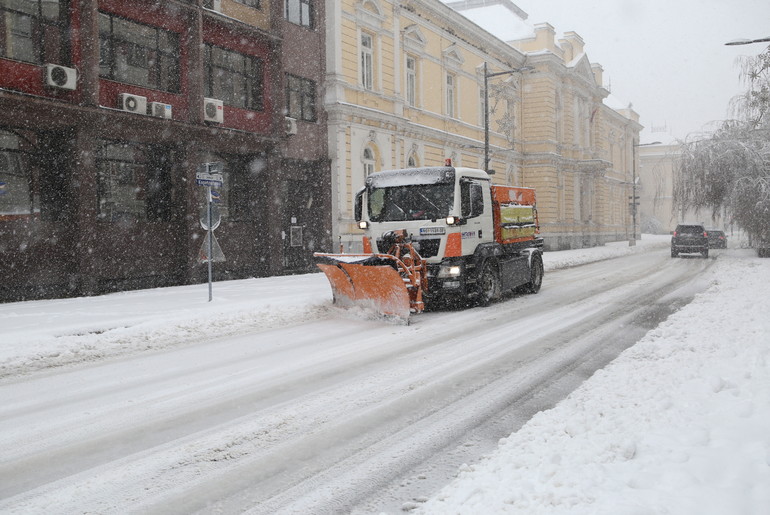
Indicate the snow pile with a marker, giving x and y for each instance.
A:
(52, 333)
(679, 423)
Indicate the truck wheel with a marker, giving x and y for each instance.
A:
(536, 272)
(674, 253)
(705, 253)
(489, 284)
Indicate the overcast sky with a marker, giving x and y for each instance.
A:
(666, 57)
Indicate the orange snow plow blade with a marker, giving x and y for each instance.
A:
(391, 284)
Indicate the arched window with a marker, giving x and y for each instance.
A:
(412, 161)
(368, 161)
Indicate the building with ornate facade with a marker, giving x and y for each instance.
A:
(657, 170)
(405, 87)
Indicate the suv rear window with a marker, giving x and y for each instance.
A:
(689, 229)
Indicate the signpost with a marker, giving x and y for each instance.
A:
(210, 176)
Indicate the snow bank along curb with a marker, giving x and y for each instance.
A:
(60, 332)
(679, 423)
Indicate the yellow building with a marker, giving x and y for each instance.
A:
(405, 87)
(658, 172)
(657, 165)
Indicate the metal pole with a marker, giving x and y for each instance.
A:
(632, 241)
(486, 118)
(487, 75)
(211, 242)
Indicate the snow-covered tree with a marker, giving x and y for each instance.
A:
(730, 170)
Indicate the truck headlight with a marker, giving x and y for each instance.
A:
(363, 224)
(447, 271)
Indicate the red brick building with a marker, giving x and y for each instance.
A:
(108, 108)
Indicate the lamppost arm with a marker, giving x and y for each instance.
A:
(487, 76)
(747, 41)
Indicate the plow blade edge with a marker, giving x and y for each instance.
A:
(368, 284)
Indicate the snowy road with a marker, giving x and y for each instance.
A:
(335, 414)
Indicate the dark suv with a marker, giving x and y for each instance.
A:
(689, 239)
(717, 239)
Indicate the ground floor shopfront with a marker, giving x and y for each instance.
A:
(94, 200)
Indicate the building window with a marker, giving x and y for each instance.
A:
(34, 31)
(18, 195)
(234, 78)
(34, 175)
(368, 161)
(250, 3)
(138, 54)
(411, 81)
(300, 12)
(367, 61)
(450, 95)
(235, 199)
(300, 98)
(134, 182)
(482, 107)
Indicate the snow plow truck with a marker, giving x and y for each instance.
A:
(437, 235)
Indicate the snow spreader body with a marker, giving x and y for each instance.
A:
(435, 235)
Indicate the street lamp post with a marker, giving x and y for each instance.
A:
(487, 76)
(632, 240)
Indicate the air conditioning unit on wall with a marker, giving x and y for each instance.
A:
(57, 76)
(213, 111)
(132, 103)
(160, 110)
(291, 125)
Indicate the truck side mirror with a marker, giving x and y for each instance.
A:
(358, 208)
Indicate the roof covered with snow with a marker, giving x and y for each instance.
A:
(501, 18)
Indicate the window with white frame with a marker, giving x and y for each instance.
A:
(450, 95)
(411, 81)
(300, 12)
(367, 61)
(368, 161)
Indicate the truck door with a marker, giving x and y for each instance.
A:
(474, 197)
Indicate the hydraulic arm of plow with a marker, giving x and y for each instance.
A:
(392, 283)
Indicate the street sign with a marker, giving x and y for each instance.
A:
(211, 248)
(210, 174)
(216, 217)
(212, 180)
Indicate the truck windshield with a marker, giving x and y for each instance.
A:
(412, 202)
